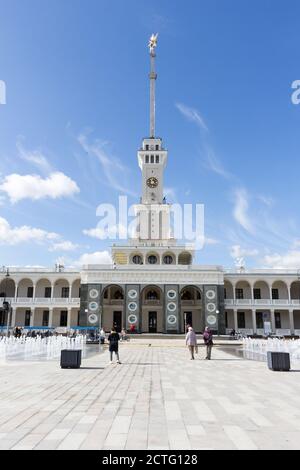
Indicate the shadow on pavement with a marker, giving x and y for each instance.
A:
(92, 368)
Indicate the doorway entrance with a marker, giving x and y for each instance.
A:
(152, 322)
(188, 319)
(118, 321)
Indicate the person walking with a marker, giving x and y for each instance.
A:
(191, 341)
(208, 341)
(113, 340)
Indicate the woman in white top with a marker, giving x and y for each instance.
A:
(191, 341)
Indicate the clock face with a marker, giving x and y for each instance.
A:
(152, 182)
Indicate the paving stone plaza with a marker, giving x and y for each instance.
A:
(157, 399)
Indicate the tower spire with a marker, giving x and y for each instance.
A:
(153, 77)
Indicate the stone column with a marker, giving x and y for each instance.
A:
(52, 291)
(32, 316)
(50, 322)
(292, 325)
(13, 317)
(16, 291)
(289, 293)
(273, 326)
(33, 294)
(271, 295)
(235, 319)
(254, 321)
(234, 294)
(69, 318)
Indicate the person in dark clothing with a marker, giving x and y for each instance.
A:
(208, 340)
(113, 340)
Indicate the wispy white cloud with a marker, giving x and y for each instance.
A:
(112, 168)
(193, 115)
(16, 235)
(112, 232)
(36, 157)
(240, 211)
(288, 260)
(63, 246)
(34, 187)
(236, 251)
(211, 241)
(266, 200)
(98, 257)
(213, 164)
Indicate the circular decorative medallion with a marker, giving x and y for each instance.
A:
(152, 182)
(171, 294)
(172, 320)
(132, 319)
(93, 293)
(132, 294)
(171, 306)
(132, 306)
(93, 318)
(210, 294)
(211, 307)
(211, 320)
(93, 306)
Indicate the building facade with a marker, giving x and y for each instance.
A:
(153, 285)
(146, 296)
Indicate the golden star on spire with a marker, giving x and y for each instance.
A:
(153, 42)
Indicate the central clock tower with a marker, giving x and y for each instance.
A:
(153, 212)
(152, 158)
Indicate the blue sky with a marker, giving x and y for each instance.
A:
(77, 110)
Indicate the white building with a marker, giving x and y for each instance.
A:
(153, 284)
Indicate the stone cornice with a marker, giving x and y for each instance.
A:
(148, 277)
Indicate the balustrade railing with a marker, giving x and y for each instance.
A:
(262, 302)
(44, 300)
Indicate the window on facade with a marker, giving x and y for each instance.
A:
(45, 318)
(257, 294)
(27, 318)
(118, 295)
(152, 259)
(226, 320)
(147, 147)
(156, 147)
(79, 292)
(105, 295)
(152, 295)
(65, 292)
(64, 318)
(147, 159)
(152, 158)
(47, 292)
(241, 320)
(30, 292)
(137, 259)
(168, 259)
(186, 295)
(275, 294)
(277, 320)
(225, 293)
(239, 293)
(78, 318)
(157, 159)
(259, 320)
